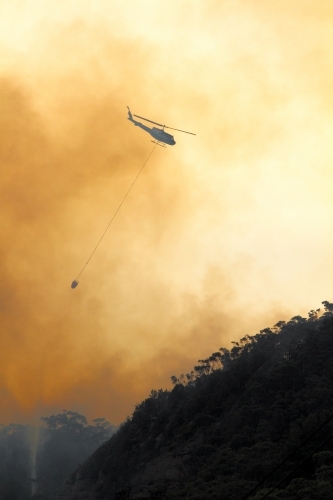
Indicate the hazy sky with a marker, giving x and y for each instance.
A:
(223, 234)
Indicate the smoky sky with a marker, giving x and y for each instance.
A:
(223, 234)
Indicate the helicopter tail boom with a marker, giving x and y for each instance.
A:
(150, 121)
(159, 134)
(164, 126)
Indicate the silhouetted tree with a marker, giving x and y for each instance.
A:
(232, 420)
(15, 463)
(65, 440)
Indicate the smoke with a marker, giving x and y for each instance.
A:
(56, 199)
(222, 235)
(33, 440)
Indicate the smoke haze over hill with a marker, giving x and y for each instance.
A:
(223, 232)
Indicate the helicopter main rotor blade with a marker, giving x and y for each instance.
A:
(185, 132)
(164, 126)
(142, 118)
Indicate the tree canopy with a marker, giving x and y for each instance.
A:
(36, 461)
(229, 423)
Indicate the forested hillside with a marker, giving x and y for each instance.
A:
(228, 424)
(35, 461)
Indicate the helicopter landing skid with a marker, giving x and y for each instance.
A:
(159, 144)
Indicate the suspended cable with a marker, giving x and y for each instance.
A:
(250, 493)
(76, 282)
(297, 467)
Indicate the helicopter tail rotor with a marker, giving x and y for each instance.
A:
(130, 117)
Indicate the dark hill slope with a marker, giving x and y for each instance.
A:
(228, 424)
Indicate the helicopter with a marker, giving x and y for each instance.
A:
(161, 137)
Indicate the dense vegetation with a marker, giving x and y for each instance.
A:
(35, 461)
(226, 425)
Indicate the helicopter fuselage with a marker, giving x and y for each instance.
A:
(157, 133)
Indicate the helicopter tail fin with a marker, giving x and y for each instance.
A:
(130, 117)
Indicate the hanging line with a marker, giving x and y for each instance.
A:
(75, 282)
(297, 467)
(250, 493)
